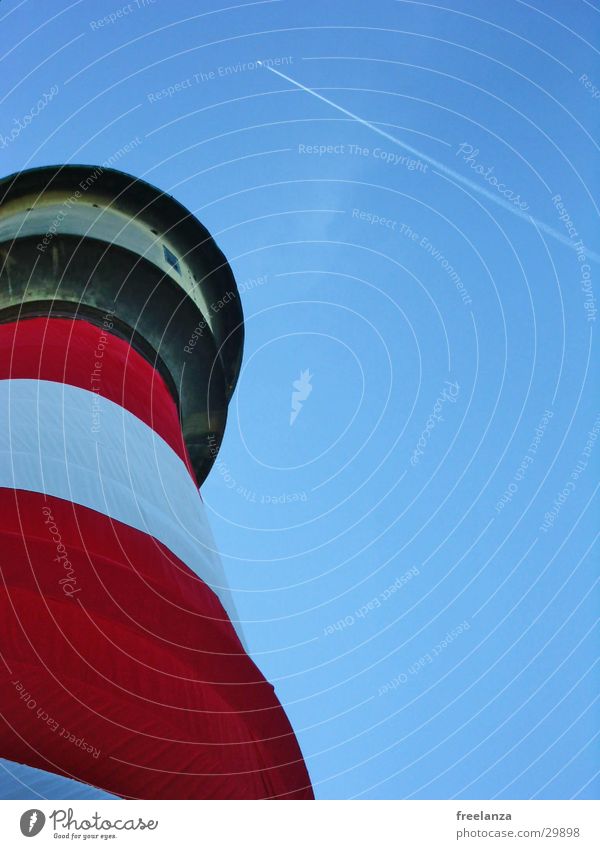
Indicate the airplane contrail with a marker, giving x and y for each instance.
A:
(449, 172)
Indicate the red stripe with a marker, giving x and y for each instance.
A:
(81, 354)
(107, 637)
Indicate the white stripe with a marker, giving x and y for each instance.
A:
(122, 468)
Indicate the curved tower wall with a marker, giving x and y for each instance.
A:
(120, 342)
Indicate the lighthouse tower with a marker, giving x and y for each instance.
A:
(121, 336)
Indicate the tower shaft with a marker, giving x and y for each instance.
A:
(122, 664)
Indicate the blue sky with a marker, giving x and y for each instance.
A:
(428, 638)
